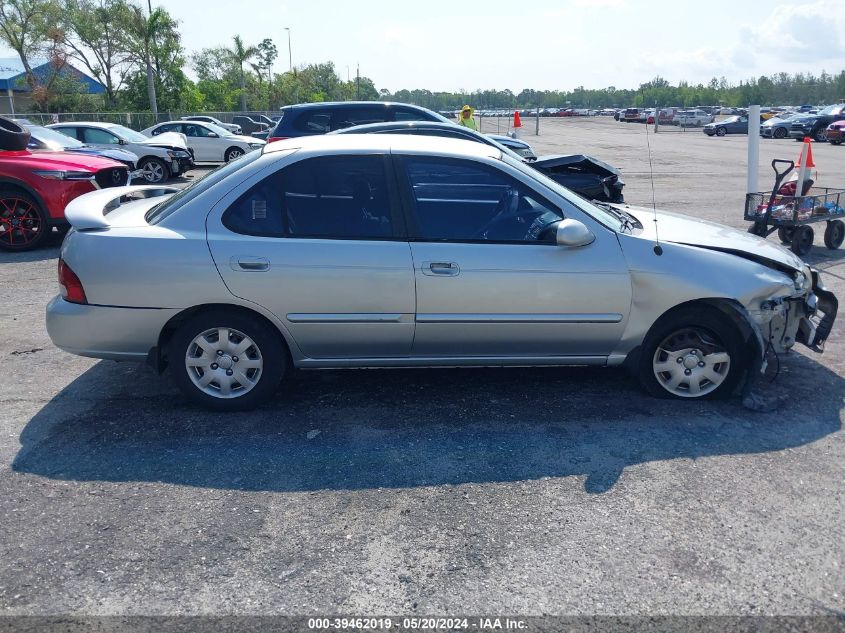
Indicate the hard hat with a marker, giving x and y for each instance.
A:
(465, 108)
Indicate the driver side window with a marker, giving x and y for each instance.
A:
(460, 200)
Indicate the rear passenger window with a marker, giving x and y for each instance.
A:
(314, 122)
(338, 197)
(348, 117)
(403, 114)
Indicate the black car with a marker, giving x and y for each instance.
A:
(731, 125)
(815, 125)
(308, 119)
(585, 175)
(249, 125)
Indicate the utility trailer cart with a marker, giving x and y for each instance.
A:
(791, 215)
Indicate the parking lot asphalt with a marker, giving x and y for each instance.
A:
(523, 491)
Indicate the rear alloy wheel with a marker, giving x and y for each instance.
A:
(785, 234)
(227, 360)
(721, 131)
(694, 353)
(153, 170)
(23, 224)
(780, 132)
(802, 240)
(232, 153)
(834, 234)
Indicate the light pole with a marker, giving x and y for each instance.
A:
(290, 55)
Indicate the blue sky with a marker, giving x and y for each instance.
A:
(561, 44)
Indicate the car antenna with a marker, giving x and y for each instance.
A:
(658, 249)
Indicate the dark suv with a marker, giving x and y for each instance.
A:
(308, 119)
(815, 125)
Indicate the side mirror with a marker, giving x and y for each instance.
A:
(213, 135)
(572, 233)
(120, 141)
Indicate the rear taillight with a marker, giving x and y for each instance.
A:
(277, 138)
(69, 285)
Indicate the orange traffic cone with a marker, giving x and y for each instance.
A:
(809, 147)
(516, 121)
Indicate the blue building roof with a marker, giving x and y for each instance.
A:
(13, 75)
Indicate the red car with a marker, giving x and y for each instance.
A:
(835, 132)
(36, 186)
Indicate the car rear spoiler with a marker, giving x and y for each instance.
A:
(89, 211)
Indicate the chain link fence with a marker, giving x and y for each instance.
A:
(134, 120)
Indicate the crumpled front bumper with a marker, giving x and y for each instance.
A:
(806, 317)
(823, 301)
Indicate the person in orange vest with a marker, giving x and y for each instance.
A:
(466, 119)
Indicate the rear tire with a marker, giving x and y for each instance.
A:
(834, 234)
(802, 240)
(234, 373)
(693, 353)
(785, 234)
(23, 223)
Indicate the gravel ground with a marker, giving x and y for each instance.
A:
(527, 491)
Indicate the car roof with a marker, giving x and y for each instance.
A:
(399, 125)
(104, 126)
(348, 104)
(386, 143)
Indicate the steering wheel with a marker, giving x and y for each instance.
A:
(510, 209)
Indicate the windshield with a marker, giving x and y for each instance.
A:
(606, 218)
(130, 135)
(219, 131)
(165, 208)
(52, 139)
(731, 119)
(833, 109)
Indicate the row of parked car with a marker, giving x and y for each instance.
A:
(43, 168)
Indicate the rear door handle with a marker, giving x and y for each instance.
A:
(441, 269)
(249, 264)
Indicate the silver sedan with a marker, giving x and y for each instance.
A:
(388, 251)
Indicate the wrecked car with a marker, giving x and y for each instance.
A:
(383, 250)
(585, 175)
(160, 158)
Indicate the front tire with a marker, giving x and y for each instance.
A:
(693, 353)
(802, 240)
(780, 132)
(227, 360)
(154, 171)
(23, 223)
(820, 136)
(721, 131)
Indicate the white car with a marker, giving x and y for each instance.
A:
(158, 159)
(208, 142)
(232, 127)
(693, 118)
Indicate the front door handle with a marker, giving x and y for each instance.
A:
(441, 269)
(249, 264)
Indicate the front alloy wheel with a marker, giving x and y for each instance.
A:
(692, 352)
(690, 363)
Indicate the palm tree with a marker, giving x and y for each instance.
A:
(240, 54)
(144, 30)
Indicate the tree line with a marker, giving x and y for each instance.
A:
(136, 52)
